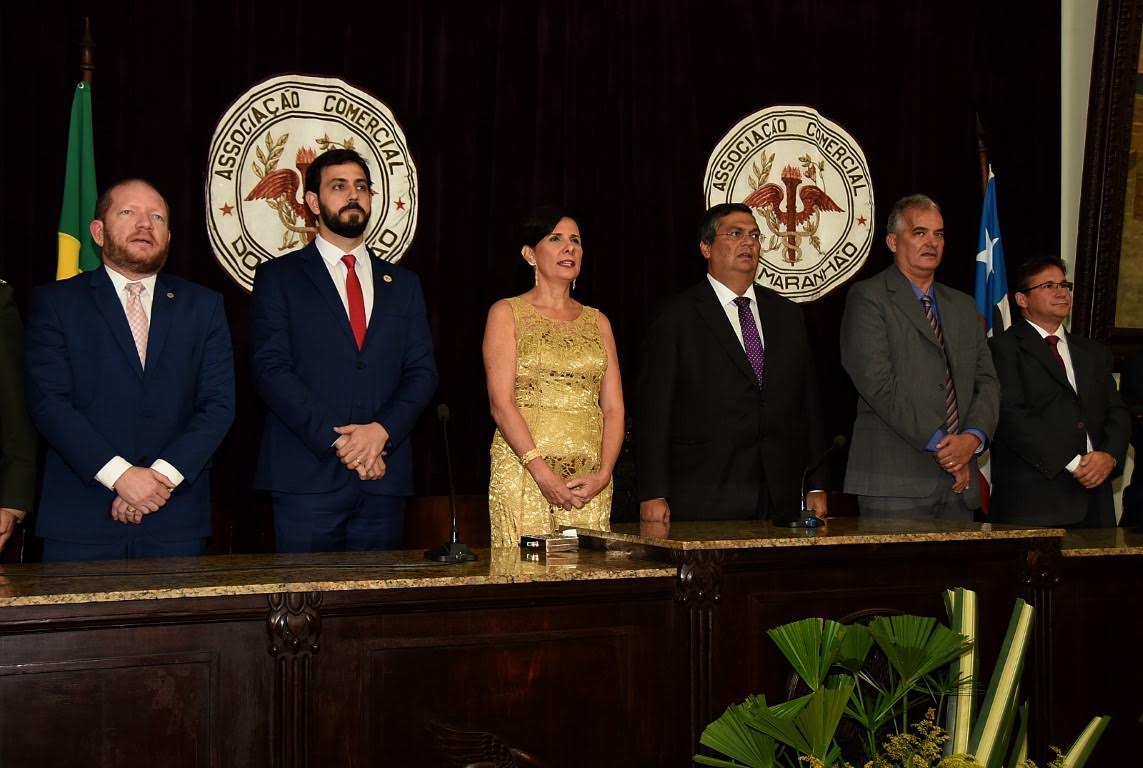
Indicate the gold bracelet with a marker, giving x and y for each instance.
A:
(535, 453)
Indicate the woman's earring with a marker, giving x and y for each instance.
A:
(535, 273)
(573, 283)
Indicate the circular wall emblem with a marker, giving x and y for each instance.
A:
(258, 158)
(808, 183)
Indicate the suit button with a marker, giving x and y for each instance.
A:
(1081, 426)
(360, 365)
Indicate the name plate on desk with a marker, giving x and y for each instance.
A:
(549, 543)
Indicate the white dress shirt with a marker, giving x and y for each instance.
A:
(1066, 354)
(726, 298)
(331, 255)
(110, 473)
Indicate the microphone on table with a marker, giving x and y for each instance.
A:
(809, 519)
(452, 551)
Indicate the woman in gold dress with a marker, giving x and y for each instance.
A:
(555, 394)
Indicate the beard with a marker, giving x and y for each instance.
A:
(339, 226)
(120, 255)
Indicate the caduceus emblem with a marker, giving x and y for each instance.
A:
(789, 226)
(281, 187)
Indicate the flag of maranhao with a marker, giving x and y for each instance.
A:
(77, 251)
(991, 279)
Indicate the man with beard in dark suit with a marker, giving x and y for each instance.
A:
(131, 383)
(343, 358)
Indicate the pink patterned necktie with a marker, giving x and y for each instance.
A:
(137, 319)
(751, 341)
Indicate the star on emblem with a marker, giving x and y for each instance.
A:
(861, 220)
(226, 209)
(399, 204)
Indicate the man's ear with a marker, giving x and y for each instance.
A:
(96, 229)
(312, 203)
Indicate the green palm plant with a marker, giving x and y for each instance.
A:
(928, 664)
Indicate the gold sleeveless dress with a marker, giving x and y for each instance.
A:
(559, 370)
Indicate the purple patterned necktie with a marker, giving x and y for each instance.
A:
(751, 341)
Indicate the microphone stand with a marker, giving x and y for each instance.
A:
(809, 519)
(452, 551)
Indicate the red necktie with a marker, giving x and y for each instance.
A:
(1053, 340)
(356, 299)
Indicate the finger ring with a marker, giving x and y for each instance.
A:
(131, 509)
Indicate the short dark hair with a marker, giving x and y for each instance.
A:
(907, 203)
(713, 217)
(333, 157)
(103, 202)
(539, 222)
(1035, 266)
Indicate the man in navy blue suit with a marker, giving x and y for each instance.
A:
(131, 383)
(343, 357)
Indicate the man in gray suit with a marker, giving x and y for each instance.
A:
(928, 397)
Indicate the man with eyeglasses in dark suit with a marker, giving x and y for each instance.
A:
(1063, 428)
(727, 414)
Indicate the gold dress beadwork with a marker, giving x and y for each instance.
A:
(559, 370)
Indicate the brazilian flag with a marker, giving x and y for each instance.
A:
(77, 252)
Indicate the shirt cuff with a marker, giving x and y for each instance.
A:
(1073, 464)
(979, 436)
(937, 437)
(112, 471)
(167, 469)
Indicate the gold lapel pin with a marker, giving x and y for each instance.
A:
(387, 278)
(170, 294)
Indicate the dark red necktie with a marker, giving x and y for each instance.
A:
(1053, 340)
(356, 299)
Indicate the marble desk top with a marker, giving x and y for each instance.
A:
(602, 556)
(1091, 542)
(210, 576)
(750, 534)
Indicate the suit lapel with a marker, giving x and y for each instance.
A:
(382, 295)
(1081, 362)
(714, 316)
(1036, 347)
(314, 268)
(901, 294)
(109, 305)
(162, 308)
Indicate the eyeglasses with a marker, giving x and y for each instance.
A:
(1051, 285)
(738, 234)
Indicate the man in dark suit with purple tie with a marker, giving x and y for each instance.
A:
(131, 383)
(343, 358)
(727, 414)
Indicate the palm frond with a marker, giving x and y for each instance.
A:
(1078, 754)
(810, 645)
(731, 735)
(999, 702)
(916, 645)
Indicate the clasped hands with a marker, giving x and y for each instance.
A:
(953, 454)
(140, 491)
(361, 448)
(574, 492)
